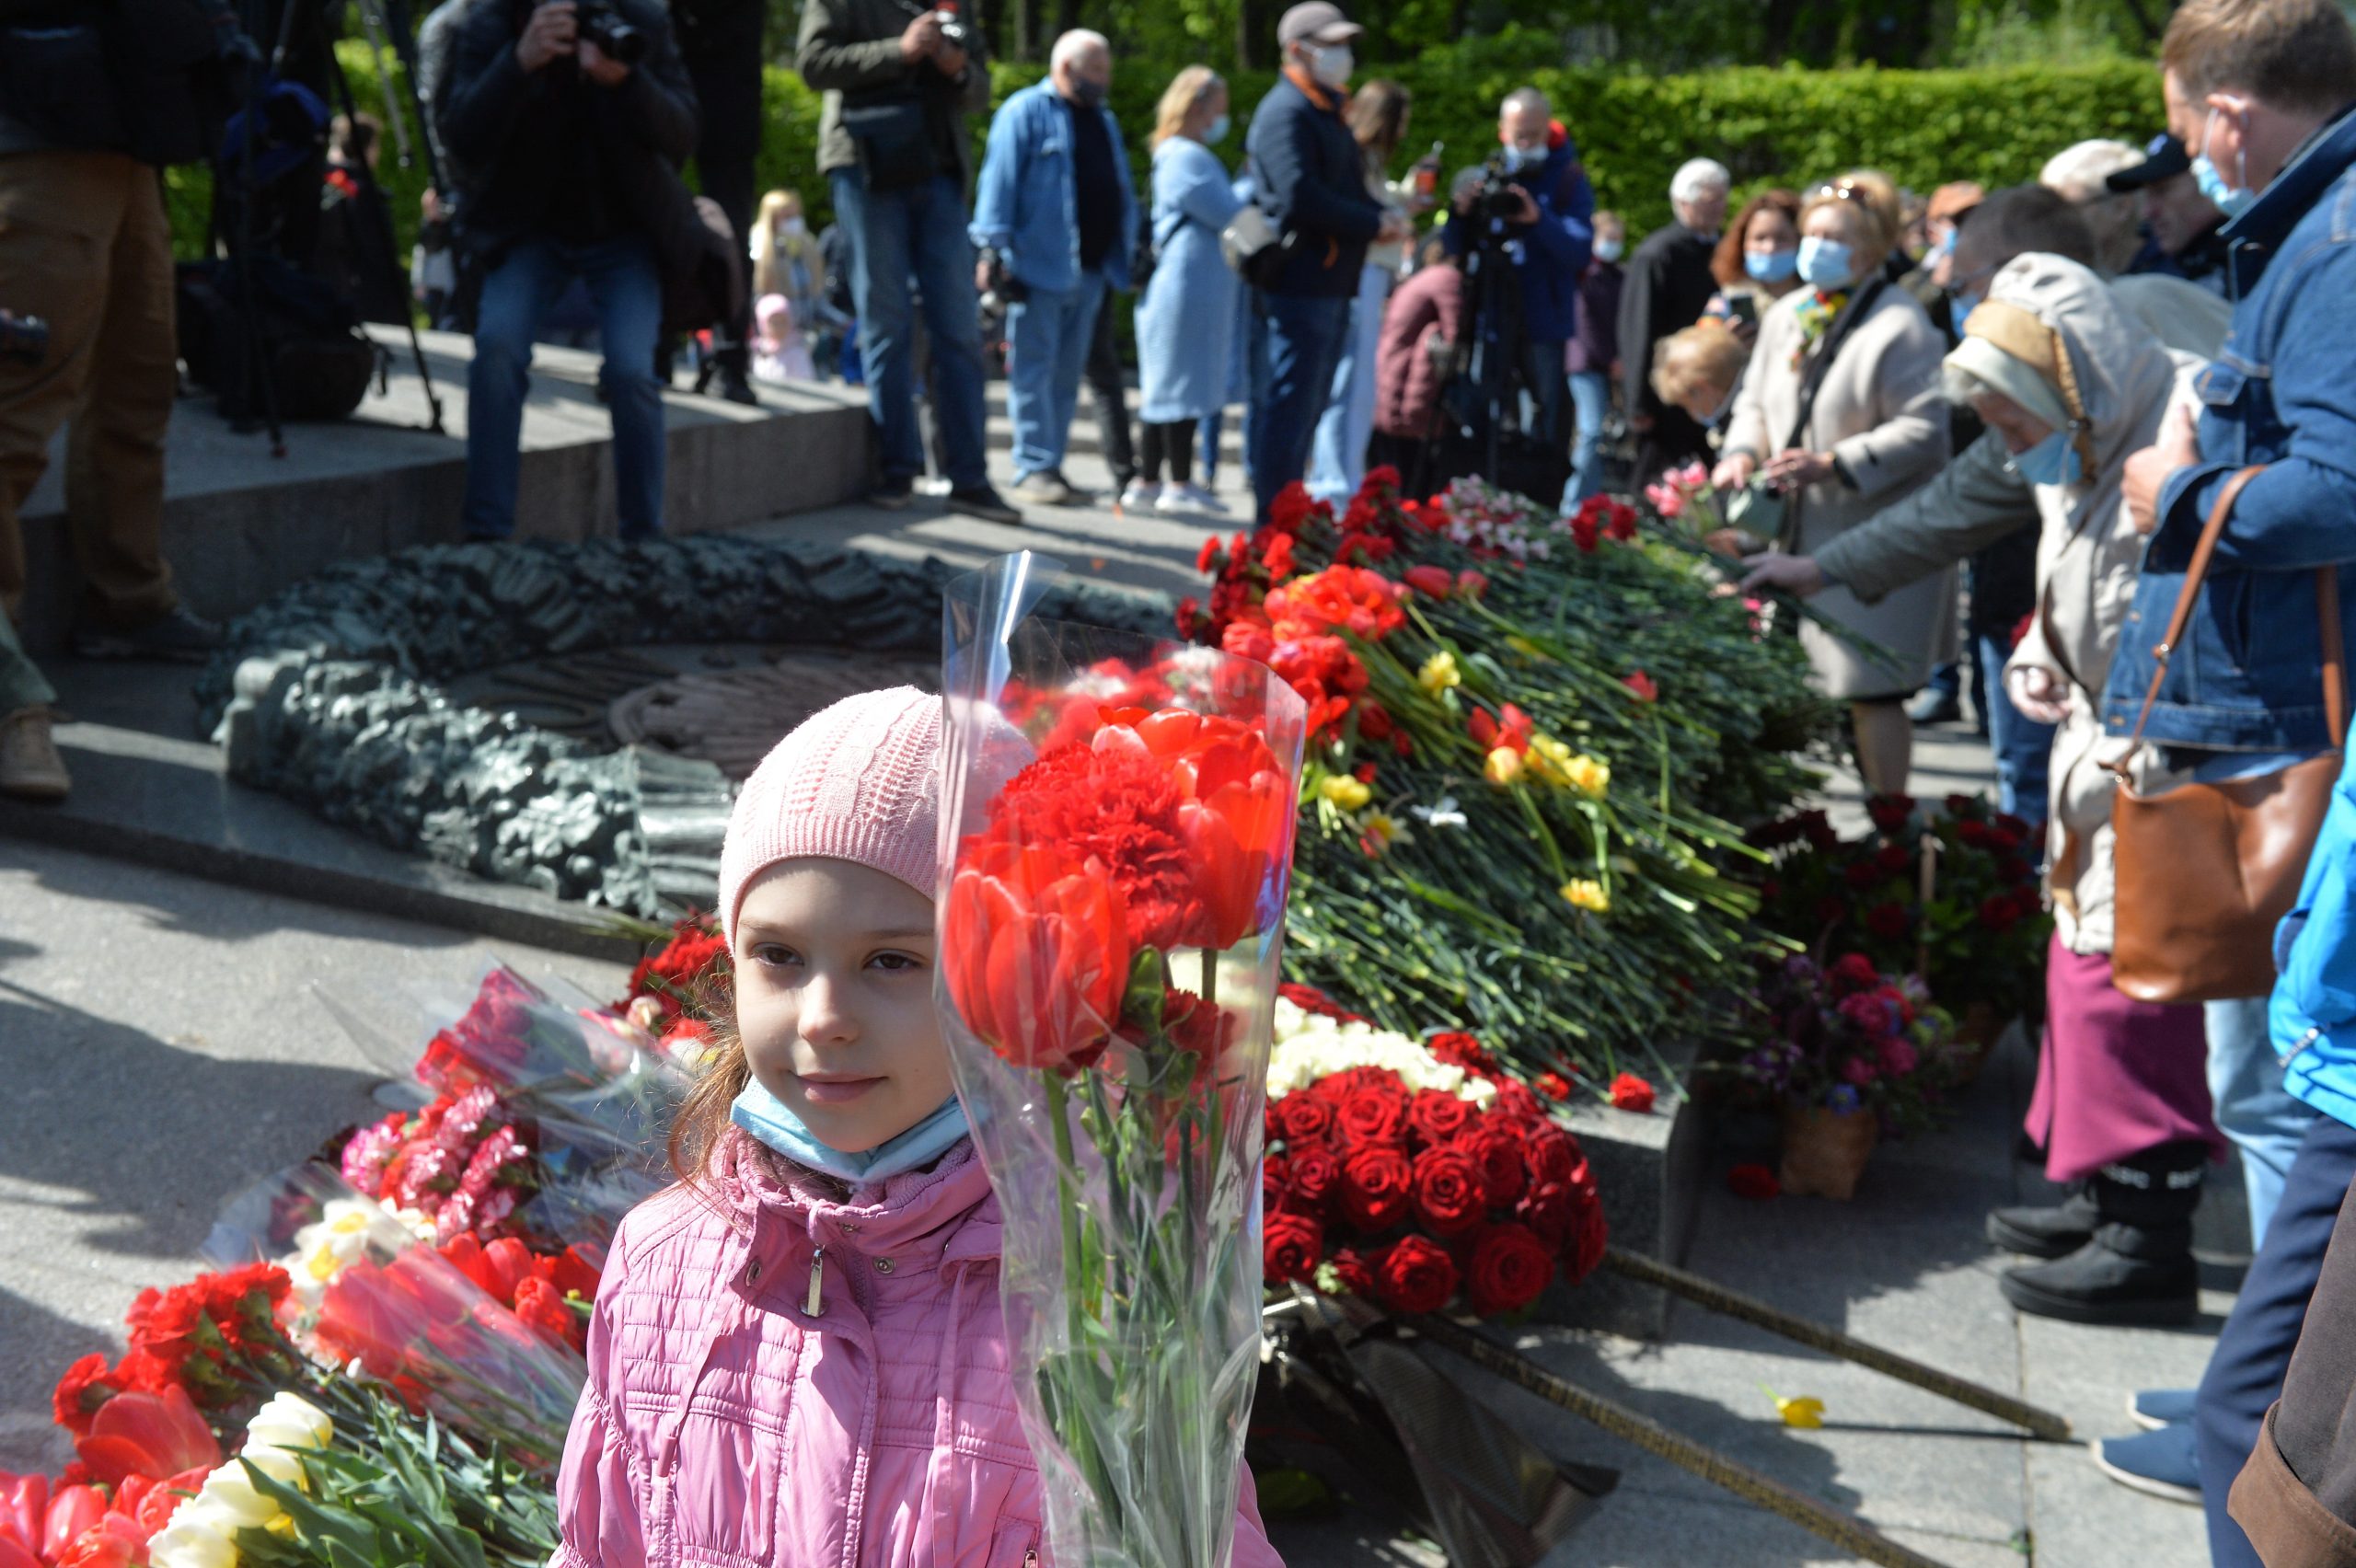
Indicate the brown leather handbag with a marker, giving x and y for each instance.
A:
(2204, 871)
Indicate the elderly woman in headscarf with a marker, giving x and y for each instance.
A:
(2073, 383)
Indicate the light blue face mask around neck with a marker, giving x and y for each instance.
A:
(2053, 461)
(766, 1117)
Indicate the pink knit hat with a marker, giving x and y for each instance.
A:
(860, 781)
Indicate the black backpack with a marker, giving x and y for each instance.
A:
(299, 332)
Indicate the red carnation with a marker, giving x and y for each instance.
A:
(1436, 1116)
(1496, 1150)
(86, 1386)
(1432, 580)
(1293, 1244)
(1553, 1086)
(1629, 1093)
(1376, 1186)
(1756, 1182)
(1509, 1268)
(1414, 1277)
(1642, 686)
(1449, 1192)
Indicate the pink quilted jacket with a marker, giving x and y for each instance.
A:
(778, 1378)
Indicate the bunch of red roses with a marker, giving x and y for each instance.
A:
(1417, 1199)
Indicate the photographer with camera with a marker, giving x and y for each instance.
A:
(1536, 206)
(94, 101)
(899, 79)
(567, 123)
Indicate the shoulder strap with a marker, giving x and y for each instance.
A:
(2335, 674)
(1819, 367)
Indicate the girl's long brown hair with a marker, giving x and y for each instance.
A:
(703, 1116)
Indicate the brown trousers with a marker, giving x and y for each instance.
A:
(84, 245)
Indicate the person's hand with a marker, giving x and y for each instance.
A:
(1795, 574)
(2148, 469)
(1794, 467)
(429, 205)
(601, 67)
(982, 275)
(551, 34)
(920, 38)
(1525, 208)
(1395, 227)
(1744, 332)
(1641, 423)
(1733, 471)
(2042, 696)
(948, 60)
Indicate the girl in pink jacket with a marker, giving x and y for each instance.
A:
(798, 1358)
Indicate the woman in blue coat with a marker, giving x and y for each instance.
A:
(1186, 320)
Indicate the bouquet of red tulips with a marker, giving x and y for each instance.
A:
(1117, 829)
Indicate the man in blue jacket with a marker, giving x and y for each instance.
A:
(1549, 239)
(2260, 93)
(1054, 216)
(1310, 181)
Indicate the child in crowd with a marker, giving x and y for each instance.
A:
(798, 1355)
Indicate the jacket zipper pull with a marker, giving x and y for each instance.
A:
(814, 1306)
(1031, 1559)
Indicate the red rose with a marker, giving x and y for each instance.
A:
(1973, 833)
(1548, 1210)
(1851, 974)
(1510, 1267)
(1351, 1273)
(1292, 1246)
(1756, 1182)
(1516, 1103)
(1890, 812)
(1275, 1183)
(1449, 1194)
(2013, 869)
(1999, 913)
(1304, 1118)
(1312, 1176)
(1373, 1117)
(1414, 1277)
(1496, 1150)
(1458, 1049)
(1629, 1093)
(1374, 720)
(1894, 861)
(1863, 874)
(1550, 1154)
(1589, 1238)
(1437, 1115)
(1376, 1185)
(1886, 920)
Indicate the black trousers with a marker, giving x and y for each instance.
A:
(1109, 392)
(730, 95)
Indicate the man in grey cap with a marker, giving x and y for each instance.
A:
(1309, 179)
(2180, 224)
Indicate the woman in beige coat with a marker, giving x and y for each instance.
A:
(2073, 383)
(1840, 413)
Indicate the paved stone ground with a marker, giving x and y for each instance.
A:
(142, 1013)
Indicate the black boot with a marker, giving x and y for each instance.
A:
(2055, 1230)
(2137, 1268)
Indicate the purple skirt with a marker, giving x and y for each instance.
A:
(2117, 1076)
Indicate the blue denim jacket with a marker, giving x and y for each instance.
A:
(2280, 392)
(1025, 206)
(2312, 1014)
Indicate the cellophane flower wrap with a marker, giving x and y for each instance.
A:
(1116, 832)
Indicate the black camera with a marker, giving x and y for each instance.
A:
(953, 32)
(601, 24)
(1499, 198)
(24, 340)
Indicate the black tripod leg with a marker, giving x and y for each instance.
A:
(379, 218)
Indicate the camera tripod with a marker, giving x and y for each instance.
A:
(1482, 397)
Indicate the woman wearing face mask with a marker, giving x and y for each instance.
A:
(1186, 319)
(1758, 258)
(2073, 383)
(1838, 414)
(786, 260)
(1593, 357)
(1378, 121)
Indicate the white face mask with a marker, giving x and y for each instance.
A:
(792, 228)
(1331, 64)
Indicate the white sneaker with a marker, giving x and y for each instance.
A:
(1141, 496)
(1179, 499)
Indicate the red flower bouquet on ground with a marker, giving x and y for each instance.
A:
(1121, 815)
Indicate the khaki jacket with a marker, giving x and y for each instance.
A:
(1879, 411)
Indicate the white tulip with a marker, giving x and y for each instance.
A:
(191, 1542)
(289, 1421)
(231, 1501)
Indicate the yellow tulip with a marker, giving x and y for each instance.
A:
(1504, 766)
(1378, 831)
(1582, 894)
(1439, 673)
(1588, 775)
(1345, 792)
(1808, 1413)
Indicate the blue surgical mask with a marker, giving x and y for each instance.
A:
(1217, 131)
(2053, 461)
(2231, 200)
(767, 1117)
(1517, 158)
(1610, 250)
(1959, 311)
(1771, 266)
(1826, 264)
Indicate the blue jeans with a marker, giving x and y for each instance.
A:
(1295, 343)
(2252, 1107)
(1337, 452)
(516, 297)
(918, 233)
(2023, 747)
(2253, 1351)
(1590, 403)
(1047, 335)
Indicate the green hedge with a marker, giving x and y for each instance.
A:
(1768, 126)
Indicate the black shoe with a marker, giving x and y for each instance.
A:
(2121, 1278)
(1931, 706)
(180, 636)
(2053, 1232)
(985, 503)
(735, 387)
(892, 492)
